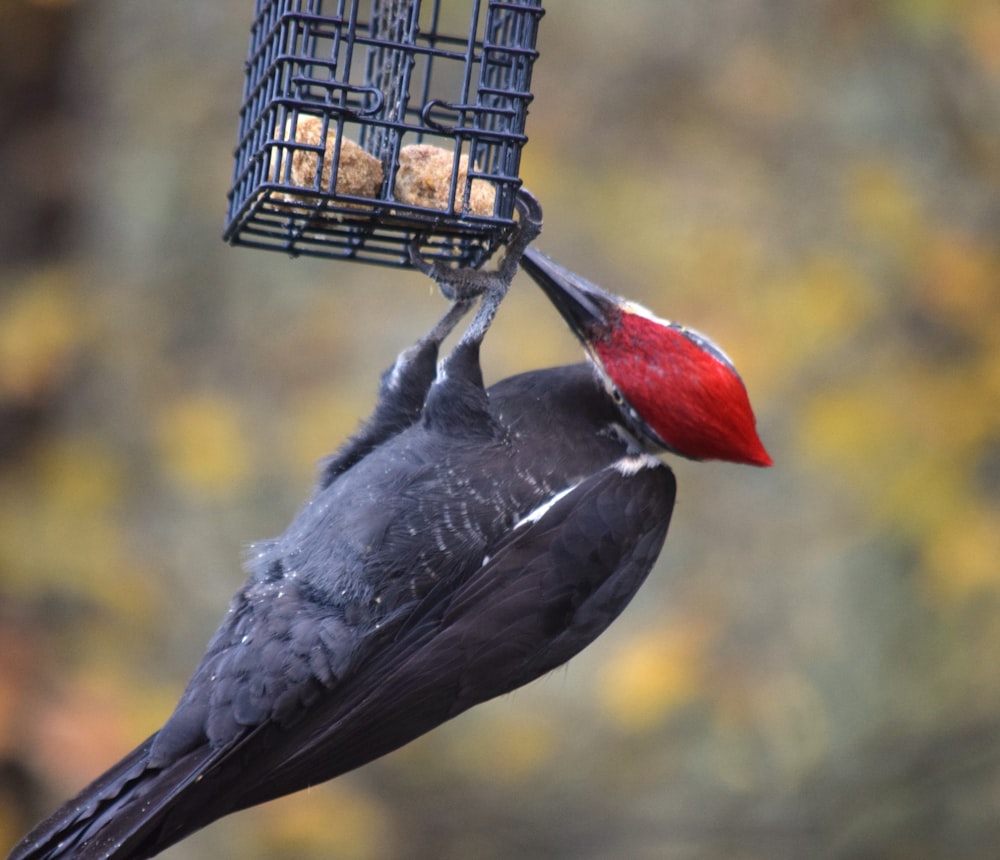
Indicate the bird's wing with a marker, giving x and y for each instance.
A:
(545, 592)
(557, 580)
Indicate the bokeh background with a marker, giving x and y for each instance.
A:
(813, 669)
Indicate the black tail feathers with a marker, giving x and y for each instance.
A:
(132, 811)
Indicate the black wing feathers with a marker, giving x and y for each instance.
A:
(544, 594)
(548, 589)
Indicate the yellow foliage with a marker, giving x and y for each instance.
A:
(959, 282)
(962, 557)
(908, 441)
(926, 15)
(714, 261)
(521, 744)
(917, 495)
(988, 374)
(830, 297)
(655, 674)
(11, 826)
(754, 81)
(981, 29)
(910, 437)
(317, 421)
(41, 324)
(951, 407)
(336, 821)
(783, 716)
(80, 474)
(942, 421)
(852, 427)
(60, 523)
(801, 315)
(883, 205)
(203, 445)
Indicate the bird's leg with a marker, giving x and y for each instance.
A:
(529, 226)
(465, 284)
(444, 326)
(402, 390)
(406, 383)
(457, 285)
(457, 403)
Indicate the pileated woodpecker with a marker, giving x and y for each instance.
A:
(463, 544)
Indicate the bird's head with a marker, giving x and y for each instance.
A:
(675, 386)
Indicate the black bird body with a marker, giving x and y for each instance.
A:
(462, 544)
(458, 559)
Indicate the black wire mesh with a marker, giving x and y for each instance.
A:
(356, 135)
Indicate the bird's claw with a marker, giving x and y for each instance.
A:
(448, 279)
(417, 259)
(530, 211)
(465, 283)
(529, 226)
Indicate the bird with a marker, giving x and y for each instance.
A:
(640, 358)
(464, 543)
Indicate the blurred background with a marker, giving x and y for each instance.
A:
(812, 670)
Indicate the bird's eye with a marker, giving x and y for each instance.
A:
(616, 395)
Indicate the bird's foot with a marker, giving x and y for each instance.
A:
(529, 224)
(456, 284)
(465, 283)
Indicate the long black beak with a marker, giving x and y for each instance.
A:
(589, 310)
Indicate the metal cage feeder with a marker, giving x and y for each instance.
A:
(359, 135)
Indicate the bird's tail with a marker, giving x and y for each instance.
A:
(132, 811)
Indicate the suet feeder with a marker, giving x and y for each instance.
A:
(365, 128)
